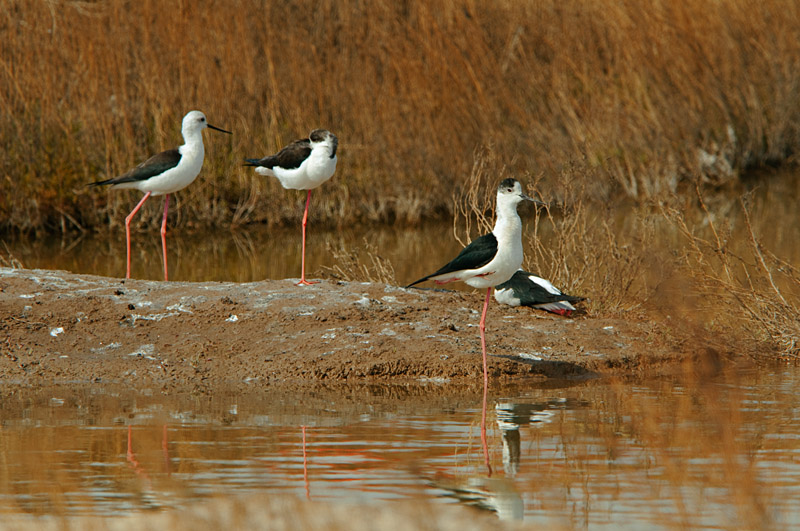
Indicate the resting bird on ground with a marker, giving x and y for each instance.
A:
(526, 289)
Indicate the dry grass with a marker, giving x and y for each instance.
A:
(359, 265)
(646, 95)
(7, 259)
(755, 293)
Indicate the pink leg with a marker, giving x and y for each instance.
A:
(483, 335)
(164, 234)
(303, 281)
(305, 465)
(128, 231)
(165, 450)
(484, 443)
(137, 467)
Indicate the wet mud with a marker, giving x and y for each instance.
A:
(60, 327)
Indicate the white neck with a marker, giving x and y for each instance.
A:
(508, 225)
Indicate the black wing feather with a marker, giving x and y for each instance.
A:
(155, 165)
(289, 158)
(530, 293)
(477, 254)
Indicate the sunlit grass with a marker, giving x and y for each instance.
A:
(646, 95)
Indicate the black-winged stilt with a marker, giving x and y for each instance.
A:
(493, 258)
(165, 173)
(526, 289)
(302, 165)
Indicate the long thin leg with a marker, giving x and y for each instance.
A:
(128, 231)
(483, 335)
(165, 451)
(484, 442)
(164, 234)
(305, 465)
(303, 281)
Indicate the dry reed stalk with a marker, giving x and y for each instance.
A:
(757, 295)
(350, 266)
(651, 95)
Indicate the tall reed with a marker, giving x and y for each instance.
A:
(649, 94)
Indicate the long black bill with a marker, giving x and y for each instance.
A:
(215, 128)
(534, 201)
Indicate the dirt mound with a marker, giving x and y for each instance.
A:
(59, 326)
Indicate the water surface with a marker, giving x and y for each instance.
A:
(719, 452)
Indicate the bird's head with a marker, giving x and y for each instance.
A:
(510, 193)
(195, 121)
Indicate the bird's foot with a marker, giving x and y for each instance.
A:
(304, 282)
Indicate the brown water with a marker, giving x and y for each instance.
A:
(247, 255)
(256, 252)
(719, 453)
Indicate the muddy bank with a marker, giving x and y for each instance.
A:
(61, 327)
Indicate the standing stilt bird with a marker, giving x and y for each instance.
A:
(165, 173)
(302, 165)
(493, 258)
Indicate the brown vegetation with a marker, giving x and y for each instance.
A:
(642, 95)
(754, 293)
(677, 266)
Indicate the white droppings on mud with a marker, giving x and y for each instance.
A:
(179, 307)
(395, 289)
(390, 299)
(534, 357)
(145, 351)
(435, 380)
(232, 319)
(143, 304)
(56, 331)
(299, 311)
(153, 317)
(56, 402)
(608, 328)
(388, 332)
(363, 301)
(110, 346)
(30, 295)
